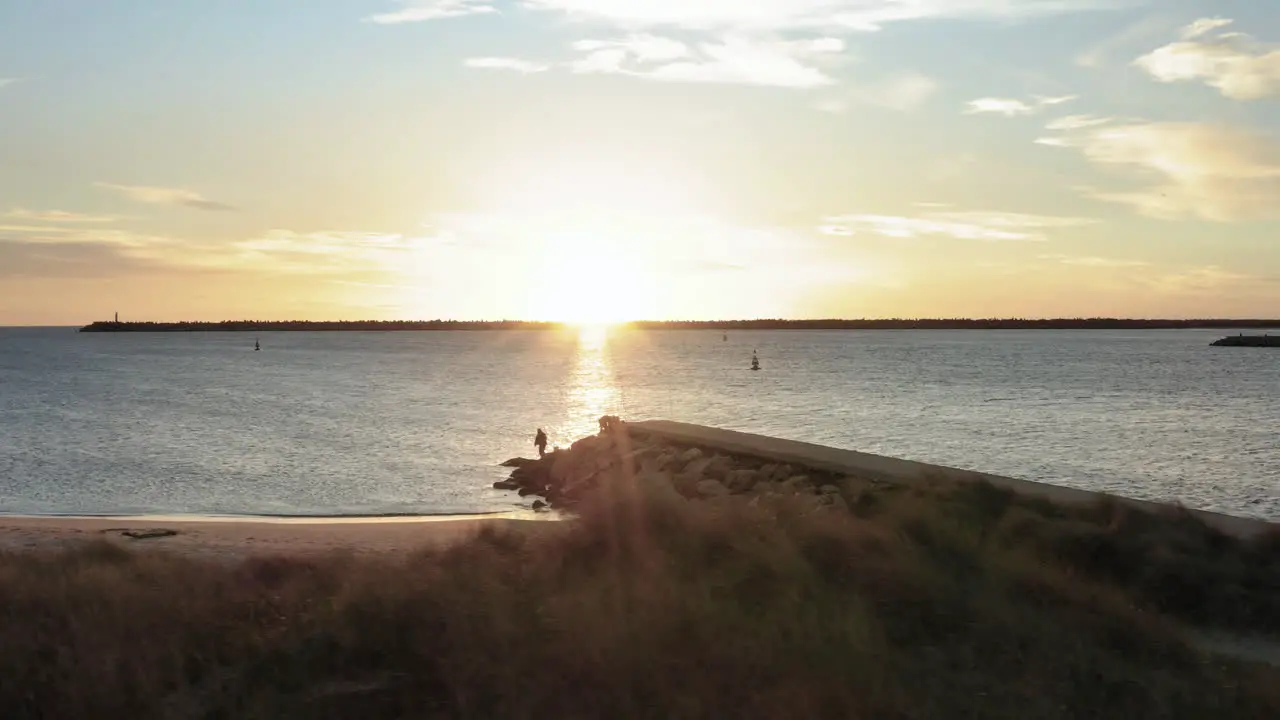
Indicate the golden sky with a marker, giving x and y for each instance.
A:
(600, 160)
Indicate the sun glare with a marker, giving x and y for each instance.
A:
(585, 220)
(590, 278)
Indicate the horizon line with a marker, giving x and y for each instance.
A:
(726, 324)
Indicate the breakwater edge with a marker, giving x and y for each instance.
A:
(703, 463)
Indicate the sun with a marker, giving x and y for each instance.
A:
(589, 278)
(586, 215)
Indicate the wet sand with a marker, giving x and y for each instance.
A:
(237, 537)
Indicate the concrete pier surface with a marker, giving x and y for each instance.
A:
(889, 469)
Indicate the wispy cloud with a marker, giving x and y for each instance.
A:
(1124, 43)
(1203, 27)
(526, 67)
(71, 235)
(324, 243)
(56, 216)
(1232, 63)
(166, 196)
(1070, 125)
(735, 59)
(643, 47)
(349, 255)
(1076, 122)
(1213, 172)
(72, 260)
(1094, 261)
(412, 11)
(1012, 107)
(962, 225)
(831, 15)
(86, 251)
(1201, 279)
(7, 81)
(736, 42)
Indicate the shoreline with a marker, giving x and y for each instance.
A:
(515, 514)
(237, 538)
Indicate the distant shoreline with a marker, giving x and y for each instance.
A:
(722, 325)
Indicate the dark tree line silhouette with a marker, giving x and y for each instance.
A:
(760, 324)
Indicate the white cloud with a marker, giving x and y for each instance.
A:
(999, 106)
(609, 60)
(1232, 63)
(962, 225)
(7, 81)
(830, 15)
(1212, 172)
(166, 196)
(827, 45)
(56, 216)
(1011, 107)
(734, 59)
(423, 10)
(506, 63)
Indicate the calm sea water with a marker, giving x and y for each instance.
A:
(373, 423)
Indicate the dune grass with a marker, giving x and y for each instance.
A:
(950, 603)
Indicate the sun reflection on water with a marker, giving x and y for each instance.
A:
(592, 388)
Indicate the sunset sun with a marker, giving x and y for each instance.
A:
(590, 278)
(583, 220)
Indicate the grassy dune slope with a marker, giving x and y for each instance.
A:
(956, 602)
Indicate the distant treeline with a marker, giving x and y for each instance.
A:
(316, 325)
(961, 324)
(764, 324)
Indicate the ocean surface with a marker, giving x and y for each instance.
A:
(385, 423)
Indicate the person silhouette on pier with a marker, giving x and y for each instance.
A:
(540, 442)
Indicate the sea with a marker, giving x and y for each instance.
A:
(416, 423)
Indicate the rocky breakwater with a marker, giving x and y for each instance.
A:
(618, 457)
(1248, 341)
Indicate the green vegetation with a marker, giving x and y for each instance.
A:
(964, 601)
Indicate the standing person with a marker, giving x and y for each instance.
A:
(540, 441)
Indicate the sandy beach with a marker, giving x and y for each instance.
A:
(236, 537)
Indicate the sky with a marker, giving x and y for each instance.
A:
(603, 160)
